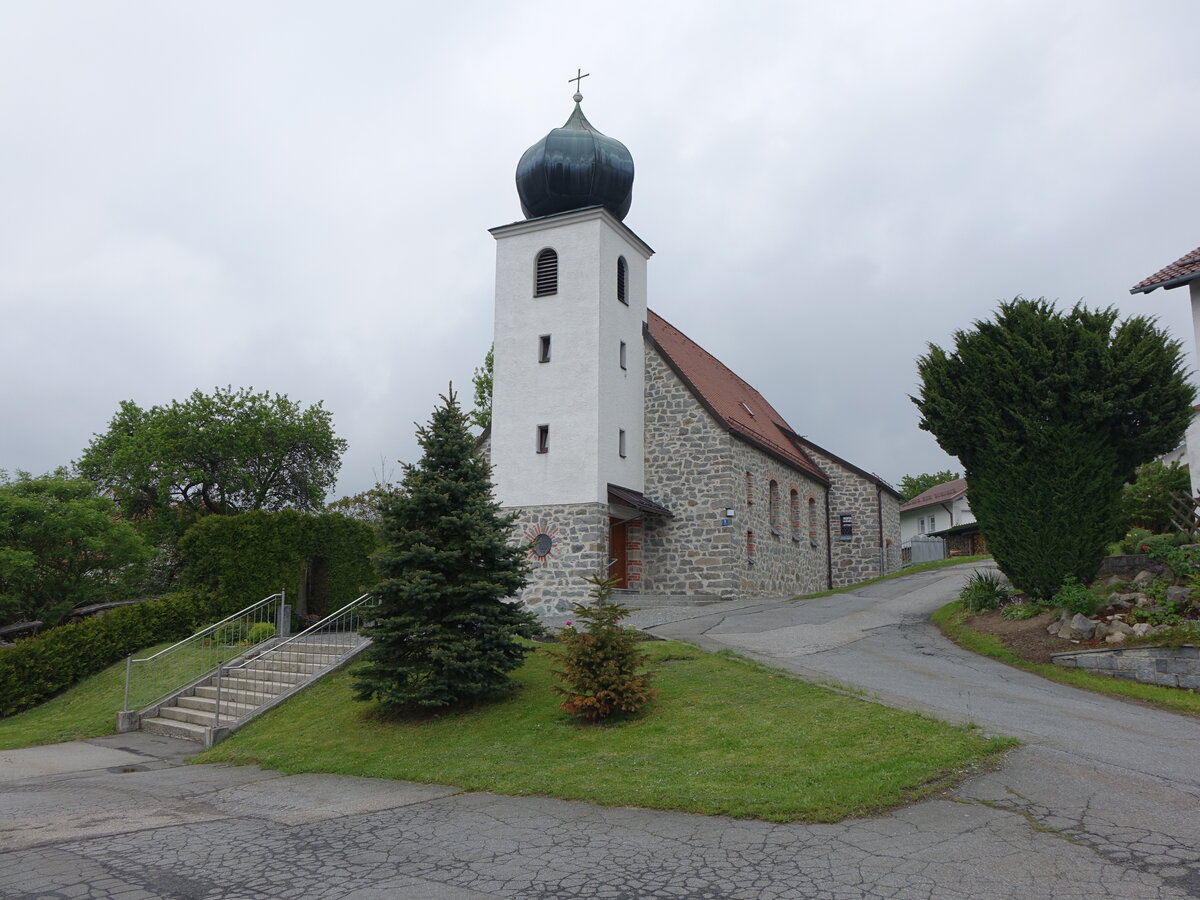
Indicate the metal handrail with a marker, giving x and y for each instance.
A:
(245, 668)
(197, 667)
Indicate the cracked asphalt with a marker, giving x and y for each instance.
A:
(1100, 802)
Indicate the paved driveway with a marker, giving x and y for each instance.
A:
(1098, 804)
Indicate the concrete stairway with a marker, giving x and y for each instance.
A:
(248, 687)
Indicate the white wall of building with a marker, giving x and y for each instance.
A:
(582, 393)
(935, 517)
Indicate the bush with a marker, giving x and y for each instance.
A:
(259, 632)
(1020, 611)
(37, 668)
(1077, 598)
(600, 663)
(257, 553)
(984, 590)
(1181, 560)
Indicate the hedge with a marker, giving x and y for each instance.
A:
(35, 669)
(257, 553)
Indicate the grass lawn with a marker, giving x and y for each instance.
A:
(951, 620)
(723, 737)
(899, 573)
(86, 710)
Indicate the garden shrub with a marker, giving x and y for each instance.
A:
(37, 668)
(259, 632)
(984, 590)
(600, 661)
(1077, 598)
(1020, 611)
(256, 554)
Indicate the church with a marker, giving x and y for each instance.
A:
(621, 444)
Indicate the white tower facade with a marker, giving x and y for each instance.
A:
(569, 370)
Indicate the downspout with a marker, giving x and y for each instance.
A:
(828, 541)
(949, 508)
(879, 520)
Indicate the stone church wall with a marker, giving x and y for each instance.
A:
(866, 552)
(579, 548)
(688, 470)
(696, 469)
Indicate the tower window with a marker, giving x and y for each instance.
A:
(622, 354)
(621, 279)
(621, 442)
(546, 273)
(544, 348)
(543, 439)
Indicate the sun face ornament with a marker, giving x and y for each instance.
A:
(541, 543)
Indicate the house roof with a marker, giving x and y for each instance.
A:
(729, 399)
(1183, 270)
(637, 500)
(939, 493)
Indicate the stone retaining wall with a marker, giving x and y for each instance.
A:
(1151, 665)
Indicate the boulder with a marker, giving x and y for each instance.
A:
(1116, 626)
(1179, 594)
(1079, 628)
(1115, 637)
(1141, 629)
(1144, 602)
(1142, 577)
(1119, 601)
(1101, 631)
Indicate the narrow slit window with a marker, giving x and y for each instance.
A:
(546, 274)
(622, 277)
(794, 509)
(773, 506)
(544, 348)
(622, 354)
(621, 442)
(543, 439)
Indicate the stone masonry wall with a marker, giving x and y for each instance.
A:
(860, 556)
(689, 471)
(696, 469)
(579, 548)
(786, 556)
(1152, 665)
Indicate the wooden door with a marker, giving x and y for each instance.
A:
(618, 550)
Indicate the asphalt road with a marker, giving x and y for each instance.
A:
(1099, 803)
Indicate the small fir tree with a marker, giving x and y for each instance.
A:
(443, 634)
(600, 660)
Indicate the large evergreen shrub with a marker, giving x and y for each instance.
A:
(443, 633)
(1050, 413)
(257, 553)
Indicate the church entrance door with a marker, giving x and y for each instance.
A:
(618, 550)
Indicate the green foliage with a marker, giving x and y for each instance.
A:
(37, 668)
(258, 553)
(61, 547)
(1133, 540)
(1180, 559)
(984, 590)
(1050, 414)
(443, 633)
(1077, 598)
(600, 661)
(1146, 501)
(481, 415)
(223, 453)
(913, 485)
(259, 632)
(1018, 612)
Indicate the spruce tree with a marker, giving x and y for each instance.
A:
(1050, 413)
(443, 634)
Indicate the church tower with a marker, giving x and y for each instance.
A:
(567, 446)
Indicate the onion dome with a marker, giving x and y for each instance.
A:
(573, 167)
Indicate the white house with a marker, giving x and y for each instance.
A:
(942, 506)
(1184, 271)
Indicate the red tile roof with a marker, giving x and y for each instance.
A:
(939, 493)
(729, 399)
(1183, 270)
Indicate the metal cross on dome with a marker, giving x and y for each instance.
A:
(579, 76)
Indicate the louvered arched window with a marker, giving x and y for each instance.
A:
(622, 273)
(546, 274)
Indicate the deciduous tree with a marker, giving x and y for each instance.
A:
(1050, 413)
(913, 485)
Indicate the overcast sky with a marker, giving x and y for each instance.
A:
(296, 196)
